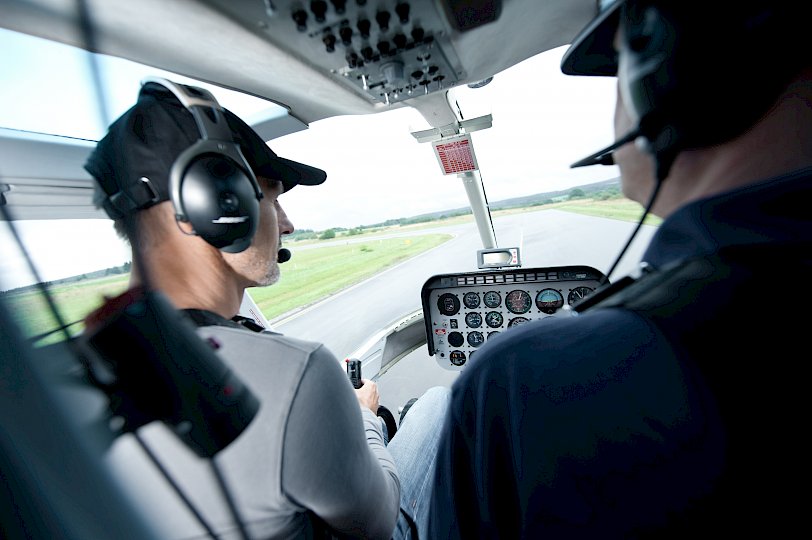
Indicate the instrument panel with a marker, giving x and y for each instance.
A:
(463, 311)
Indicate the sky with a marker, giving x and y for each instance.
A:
(376, 170)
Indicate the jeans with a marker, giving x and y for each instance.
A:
(414, 449)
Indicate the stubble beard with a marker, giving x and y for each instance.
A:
(261, 271)
(270, 276)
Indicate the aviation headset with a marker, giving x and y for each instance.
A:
(211, 184)
(702, 91)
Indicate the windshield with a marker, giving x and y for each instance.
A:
(379, 176)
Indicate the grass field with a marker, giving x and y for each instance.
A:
(74, 302)
(311, 275)
(622, 209)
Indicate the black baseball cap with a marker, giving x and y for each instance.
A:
(132, 163)
(592, 51)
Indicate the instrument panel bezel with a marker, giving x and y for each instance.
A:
(562, 279)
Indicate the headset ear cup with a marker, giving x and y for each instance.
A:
(647, 81)
(686, 77)
(218, 199)
(211, 184)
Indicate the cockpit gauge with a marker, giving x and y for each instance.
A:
(492, 299)
(494, 319)
(475, 339)
(455, 339)
(448, 304)
(473, 319)
(462, 311)
(549, 301)
(518, 302)
(457, 358)
(577, 294)
(471, 300)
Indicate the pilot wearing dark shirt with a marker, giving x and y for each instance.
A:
(673, 405)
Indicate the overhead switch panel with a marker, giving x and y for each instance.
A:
(368, 44)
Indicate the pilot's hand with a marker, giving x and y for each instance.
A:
(368, 395)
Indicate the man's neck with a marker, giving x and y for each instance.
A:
(207, 284)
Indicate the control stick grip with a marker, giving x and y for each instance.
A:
(354, 372)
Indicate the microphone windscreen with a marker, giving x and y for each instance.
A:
(283, 255)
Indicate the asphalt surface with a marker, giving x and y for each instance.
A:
(548, 238)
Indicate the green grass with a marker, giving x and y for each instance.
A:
(313, 274)
(622, 209)
(74, 301)
(310, 276)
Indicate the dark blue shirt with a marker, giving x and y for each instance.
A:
(676, 408)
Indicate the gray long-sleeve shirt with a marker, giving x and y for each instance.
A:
(311, 450)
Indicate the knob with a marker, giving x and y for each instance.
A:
(300, 18)
(400, 41)
(329, 42)
(384, 47)
(319, 9)
(339, 5)
(367, 53)
(346, 35)
(402, 9)
(383, 20)
(363, 26)
(417, 34)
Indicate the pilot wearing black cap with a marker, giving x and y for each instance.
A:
(671, 405)
(196, 192)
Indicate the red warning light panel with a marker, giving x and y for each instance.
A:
(456, 154)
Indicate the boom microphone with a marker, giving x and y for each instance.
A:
(604, 156)
(283, 255)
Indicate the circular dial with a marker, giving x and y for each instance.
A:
(471, 300)
(475, 339)
(473, 319)
(549, 301)
(455, 339)
(493, 299)
(448, 304)
(494, 319)
(577, 294)
(516, 321)
(491, 334)
(518, 302)
(457, 358)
